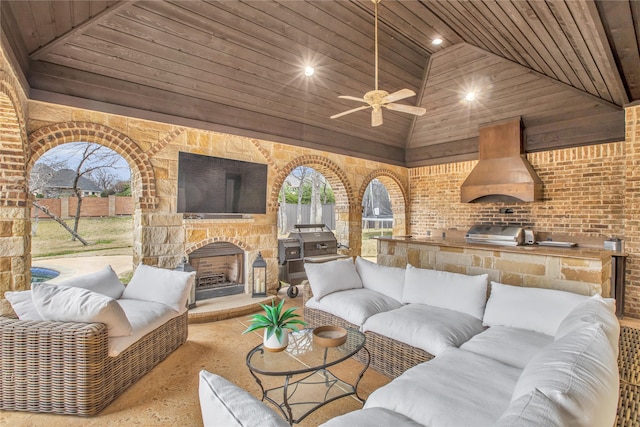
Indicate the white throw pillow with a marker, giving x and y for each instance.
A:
(579, 373)
(594, 310)
(22, 304)
(104, 282)
(169, 287)
(333, 276)
(535, 309)
(453, 291)
(223, 403)
(66, 304)
(388, 281)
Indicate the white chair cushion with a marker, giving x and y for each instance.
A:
(453, 291)
(66, 304)
(354, 305)
(104, 282)
(371, 417)
(223, 403)
(431, 329)
(144, 316)
(380, 278)
(579, 373)
(536, 309)
(333, 276)
(534, 410)
(511, 346)
(169, 287)
(594, 310)
(22, 304)
(457, 388)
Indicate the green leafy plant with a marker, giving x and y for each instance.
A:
(275, 320)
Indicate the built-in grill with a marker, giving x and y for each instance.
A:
(504, 235)
(307, 243)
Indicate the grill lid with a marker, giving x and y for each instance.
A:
(496, 235)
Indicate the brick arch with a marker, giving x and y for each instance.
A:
(397, 193)
(143, 180)
(335, 176)
(242, 245)
(13, 183)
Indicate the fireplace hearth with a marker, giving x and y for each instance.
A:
(219, 270)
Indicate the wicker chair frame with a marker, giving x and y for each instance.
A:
(64, 367)
(388, 356)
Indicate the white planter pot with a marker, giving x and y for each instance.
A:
(273, 344)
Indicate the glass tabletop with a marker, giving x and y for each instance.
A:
(303, 355)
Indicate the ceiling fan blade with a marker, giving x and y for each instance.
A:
(376, 117)
(352, 98)
(418, 111)
(401, 94)
(353, 110)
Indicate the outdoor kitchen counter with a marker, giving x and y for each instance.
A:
(582, 270)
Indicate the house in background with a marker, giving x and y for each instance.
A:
(61, 185)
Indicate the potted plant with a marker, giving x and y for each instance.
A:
(274, 322)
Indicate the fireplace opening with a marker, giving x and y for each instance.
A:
(219, 270)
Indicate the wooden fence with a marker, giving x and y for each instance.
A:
(65, 207)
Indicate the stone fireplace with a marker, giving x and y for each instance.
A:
(220, 270)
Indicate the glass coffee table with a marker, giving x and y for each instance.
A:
(308, 383)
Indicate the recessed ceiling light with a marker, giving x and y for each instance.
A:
(470, 96)
(309, 70)
(436, 41)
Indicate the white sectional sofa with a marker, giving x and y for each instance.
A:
(524, 357)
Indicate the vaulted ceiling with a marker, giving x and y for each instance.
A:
(566, 67)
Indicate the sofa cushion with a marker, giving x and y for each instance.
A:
(223, 403)
(594, 310)
(169, 287)
(431, 329)
(67, 304)
(104, 282)
(144, 316)
(371, 417)
(354, 305)
(457, 388)
(333, 276)
(511, 346)
(388, 281)
(534, 410)
(453, 291)
(536, 309)
(22, 303)
(579, 373)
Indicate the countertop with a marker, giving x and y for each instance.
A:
(574, 252)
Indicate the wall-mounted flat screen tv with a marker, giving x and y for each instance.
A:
(214, 185)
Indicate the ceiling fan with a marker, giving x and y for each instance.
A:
(376, 99)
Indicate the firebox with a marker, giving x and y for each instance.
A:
(219, 270)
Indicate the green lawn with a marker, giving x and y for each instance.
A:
(108, 236)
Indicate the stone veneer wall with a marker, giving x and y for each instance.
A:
(589, 192)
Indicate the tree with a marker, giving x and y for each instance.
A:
(316, 204)
(300, 173)
(105, 179)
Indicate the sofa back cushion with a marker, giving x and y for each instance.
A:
(168, 287)
(67, 304)
(388, 281)
(594, 310)
(579, 373)
(535, 309)
(333, 276)
(104, 282)
(453, 291)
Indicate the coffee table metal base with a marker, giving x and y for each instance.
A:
(311, 392)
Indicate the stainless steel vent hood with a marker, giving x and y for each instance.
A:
(502, 173)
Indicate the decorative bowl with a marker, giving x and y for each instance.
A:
(329, 336)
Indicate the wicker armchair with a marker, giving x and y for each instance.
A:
(388, 356)
(64, 367)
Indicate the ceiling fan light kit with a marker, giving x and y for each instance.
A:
(376, 99)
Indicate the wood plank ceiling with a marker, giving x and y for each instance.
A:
(566, 67)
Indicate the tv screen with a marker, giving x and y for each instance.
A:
(215, 185)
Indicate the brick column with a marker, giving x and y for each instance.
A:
(632, 210)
